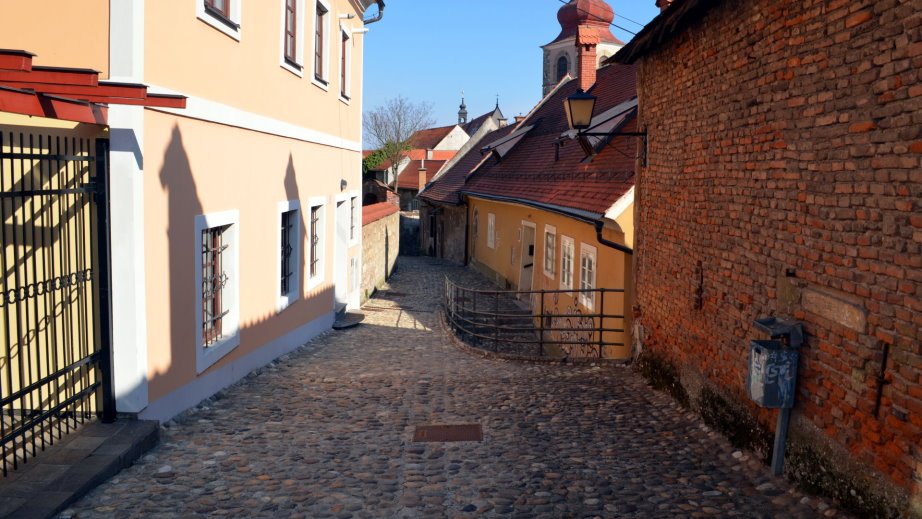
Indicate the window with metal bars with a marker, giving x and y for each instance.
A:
(315, 241)
(320, 43)
(214, 280)
(550, 251)
(289, 241)
(291, 32)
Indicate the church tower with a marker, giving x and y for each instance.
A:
(560, 55)
(462, 111)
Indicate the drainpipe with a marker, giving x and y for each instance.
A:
(377, 17)
(598, 235)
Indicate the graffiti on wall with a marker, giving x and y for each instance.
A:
(570, 326)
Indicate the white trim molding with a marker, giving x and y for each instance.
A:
(549, 230)
(567, 245)
(588, 252)
(214, 112)
(299, 44)
(126, 206)
(236, 16)
(206, 357)
(297, 246)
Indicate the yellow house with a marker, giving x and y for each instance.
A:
(552, 211)
(234, 217)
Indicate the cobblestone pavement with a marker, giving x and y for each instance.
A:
(327, 432)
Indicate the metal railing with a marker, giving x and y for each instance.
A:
(542, 323)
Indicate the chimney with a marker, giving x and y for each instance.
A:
(663, 4)
(519, 118)
(422, 175)
(586, 41)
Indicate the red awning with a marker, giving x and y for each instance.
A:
(70, 94)
(15, 60)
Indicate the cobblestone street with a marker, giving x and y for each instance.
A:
(327, 432)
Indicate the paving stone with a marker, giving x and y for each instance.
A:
(326, 432)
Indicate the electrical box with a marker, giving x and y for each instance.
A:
(772, 379)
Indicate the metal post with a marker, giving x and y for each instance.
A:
(102, 249)
(541, 327)
(601, 321)
(781, 439)
(496, 322)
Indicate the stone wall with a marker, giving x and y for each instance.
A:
(784, 179)
(380, 242)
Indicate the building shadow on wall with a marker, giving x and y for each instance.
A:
(183, 206)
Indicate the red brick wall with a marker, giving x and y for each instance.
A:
(784, 159)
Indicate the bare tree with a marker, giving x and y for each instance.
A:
(389, 128)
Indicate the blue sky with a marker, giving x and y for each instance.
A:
(429, 50)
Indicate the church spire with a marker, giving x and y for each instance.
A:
(462, 112)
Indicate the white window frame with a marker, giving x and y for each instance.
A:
(491, 230)
(346, 32)
(321, 202)
(566, 275)
(355, 224)
(299, 27)
(550, 229)
(326, 44)
(588, 299)
(236, 16)
(297, 247)
(230, 324)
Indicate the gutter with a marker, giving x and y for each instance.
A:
(599, 225)
(377, 17)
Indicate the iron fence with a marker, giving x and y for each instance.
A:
(54, 364)
(544, 323)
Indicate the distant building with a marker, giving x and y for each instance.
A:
(534, 206)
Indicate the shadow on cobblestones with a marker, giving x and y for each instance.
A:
(326, 432)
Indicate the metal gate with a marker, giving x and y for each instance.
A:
(54, 310)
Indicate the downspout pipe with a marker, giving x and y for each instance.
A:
(599, 225)
(377, 17)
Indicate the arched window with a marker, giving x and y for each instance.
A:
(563, 66)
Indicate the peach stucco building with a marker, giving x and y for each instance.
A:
(235, 221)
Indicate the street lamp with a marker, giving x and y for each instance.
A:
(579, 108)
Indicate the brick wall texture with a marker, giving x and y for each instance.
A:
(784, 178)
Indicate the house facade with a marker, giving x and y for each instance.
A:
(235, 222)
(784, 180)
(537, 207)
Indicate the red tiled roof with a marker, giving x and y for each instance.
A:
(446, 188)
(373, 213)
(409, 177)
(430, 138)
(530, 172)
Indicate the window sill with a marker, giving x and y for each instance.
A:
(287, 300)
(345, 100)
(314, 282)
(321, 84)
(292, 67)
(207, 357)
(549, 275)
(220, 22)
